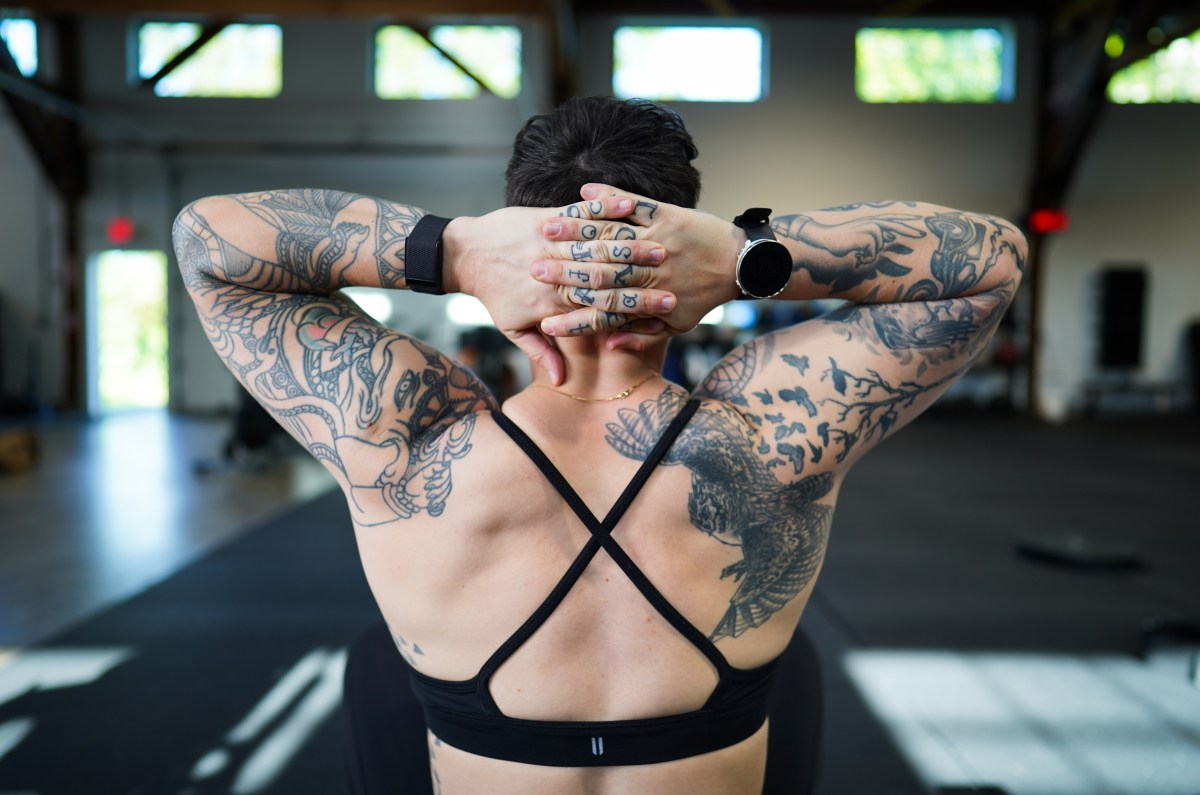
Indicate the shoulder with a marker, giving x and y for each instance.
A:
(724, 441)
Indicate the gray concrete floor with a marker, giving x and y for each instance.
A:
(922, 576)
(987, 667)
(115, 505)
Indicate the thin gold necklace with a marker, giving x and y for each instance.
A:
(622, 394)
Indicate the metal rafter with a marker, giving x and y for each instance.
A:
(53, 137)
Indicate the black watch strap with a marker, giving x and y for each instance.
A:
(756, 222)
(764, 265)
(423, 255)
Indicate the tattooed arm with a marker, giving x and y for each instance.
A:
(788, 413)
(362, 399)
(929, 285)
(890, 251)
(369, 403)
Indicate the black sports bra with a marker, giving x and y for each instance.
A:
(464, 714)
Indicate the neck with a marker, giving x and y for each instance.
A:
(595, 373)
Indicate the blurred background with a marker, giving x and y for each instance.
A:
(1011, 600)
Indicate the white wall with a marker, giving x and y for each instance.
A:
(31, 274)
(809, 143)
(1135, 202)
(448, 157)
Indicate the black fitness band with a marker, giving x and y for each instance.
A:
(423, 255)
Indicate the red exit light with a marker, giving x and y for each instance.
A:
(1046, 222)
(119, 230)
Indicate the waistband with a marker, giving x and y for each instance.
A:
(596, 743)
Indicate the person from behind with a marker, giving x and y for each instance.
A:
(594, 583)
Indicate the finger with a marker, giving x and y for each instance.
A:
(585, 229)
(610, 206)
(541, 351)
(643, 325)
(635, 340)
(643, 211)
(625, 301)
(595, 276)
(583, 322)
(634, 252)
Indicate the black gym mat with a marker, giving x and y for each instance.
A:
(205, 646)
(923, 555)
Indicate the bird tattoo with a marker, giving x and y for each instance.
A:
(736, 500)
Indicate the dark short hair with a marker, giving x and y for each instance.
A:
(635, 145)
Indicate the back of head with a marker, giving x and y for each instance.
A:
(635, 145)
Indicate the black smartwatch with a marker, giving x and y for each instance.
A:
(764, 265)
(423, 255)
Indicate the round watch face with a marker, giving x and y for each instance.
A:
(764, 268)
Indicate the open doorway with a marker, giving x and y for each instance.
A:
(127, 351)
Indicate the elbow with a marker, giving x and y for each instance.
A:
(1018, 248)
(191, 251)
(1009, 254)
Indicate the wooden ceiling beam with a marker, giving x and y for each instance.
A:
(408, 9)
(395, 9)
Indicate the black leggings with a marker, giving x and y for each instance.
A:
(385, 730)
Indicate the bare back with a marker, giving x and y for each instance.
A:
(454, 588)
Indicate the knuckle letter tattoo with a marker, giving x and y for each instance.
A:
(580, 251)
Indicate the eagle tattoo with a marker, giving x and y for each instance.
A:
(738, 501)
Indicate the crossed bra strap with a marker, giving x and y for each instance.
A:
(465, 715)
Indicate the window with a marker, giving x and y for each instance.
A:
(695, 64)
(1170, 75)
(240, 61)
(409, 66)
(933, 65)
(21, 37)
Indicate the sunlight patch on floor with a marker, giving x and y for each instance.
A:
(1036, 724)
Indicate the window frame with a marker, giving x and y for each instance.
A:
(1006, 93)
(1193, 37)
(372, 56)
(22, 15)
(756, 23)
(133, 53)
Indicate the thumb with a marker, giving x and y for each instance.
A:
(635, 340)
(540, 350)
